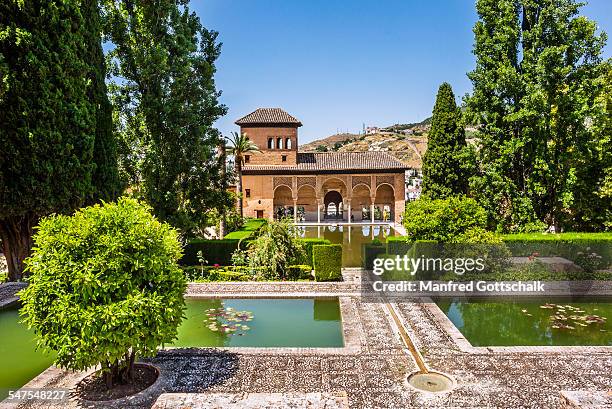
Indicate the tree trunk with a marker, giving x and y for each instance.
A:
(239, 185)
(16, 235)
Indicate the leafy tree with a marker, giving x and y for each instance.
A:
(240, 146)
(443, 220)
(105, 287)
(52, 110)
(444, 170)
(592, 205)
(163, 66)
(537, 64)
(275, 249)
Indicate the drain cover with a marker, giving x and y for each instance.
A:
(430, 382)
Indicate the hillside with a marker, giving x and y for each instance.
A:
(408, 147)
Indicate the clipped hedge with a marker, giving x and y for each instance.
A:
(299, 272)
(214, 251)
(399, 245)
(327, 259)
(369, 252)
(591, 251)
(308, 243)
(240, 273)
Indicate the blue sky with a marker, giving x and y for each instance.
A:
(338, 64)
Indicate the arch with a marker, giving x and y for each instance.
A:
(283, 202)
(360, 202)
(384, 202)
(334, 183)
(288, 143)
(333, 205)
(279, 143)
(385, 184)
(270, 143)
(307, 203)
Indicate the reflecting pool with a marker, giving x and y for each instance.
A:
(261, 322)
(19, 360)
(534, 322)
(352, 237)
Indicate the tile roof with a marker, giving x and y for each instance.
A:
(268, 116)
(336, 161)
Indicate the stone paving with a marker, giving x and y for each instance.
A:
(373, 376)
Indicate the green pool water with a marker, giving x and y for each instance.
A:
(19, 359)
(522, 323)
(275, 323)
(351, 237)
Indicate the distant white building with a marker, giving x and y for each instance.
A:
(372, 130)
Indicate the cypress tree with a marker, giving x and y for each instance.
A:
(48, 117)
(444, 173)
(105, 177)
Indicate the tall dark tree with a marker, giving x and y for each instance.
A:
(444, 166)
(105, 176)
(537, 64)
(163, 67)
(48, 116)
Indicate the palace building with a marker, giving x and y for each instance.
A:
(315, 186)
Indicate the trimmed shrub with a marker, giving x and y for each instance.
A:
(442, 219)
(369, 252)
(299, 272)
(327, 259)
(591, 251)
(308, 243)
(214, 251)
(399, 245)
(104, 287)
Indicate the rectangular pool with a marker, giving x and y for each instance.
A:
(352, 237)
(261, 322)
(20, 361)
(544, 322)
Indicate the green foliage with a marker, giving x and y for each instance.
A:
(369, 252)
(162, 68)
(299, 272)
(327, 260)
(398, 245)
(442, 219)
(537, 76)
(250, 228)
(276, 248)
(307, 244)
(241, 273)
(591, 251)
(53, 111)
(213, 251)
(104, 287)
(445, 172)
(105, 176)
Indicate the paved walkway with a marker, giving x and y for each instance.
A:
(372, 375)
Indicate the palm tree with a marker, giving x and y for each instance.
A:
(240, 146)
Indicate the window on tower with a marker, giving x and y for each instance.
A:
(270, 143)
(288, 143)
(279, 143)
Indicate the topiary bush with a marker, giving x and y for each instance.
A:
(213, 251)
(104, 287)
(442, 219)
(327, 259)
(307, 244)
